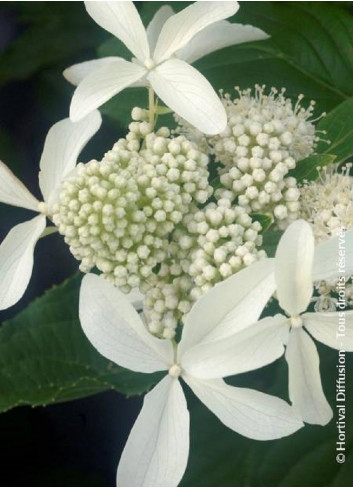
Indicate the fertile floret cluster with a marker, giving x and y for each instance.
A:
(117, 214)
(265, 136)
(210, 245)
(327, 204)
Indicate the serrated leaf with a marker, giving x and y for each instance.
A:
(307, 169)
(45, 357)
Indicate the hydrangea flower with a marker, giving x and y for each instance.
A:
(210, 245)
(297, 265)
(266, 135)
(118, 214)
(161, 59)
(63, 144)
(327, 203)
(134, 215)
(157, 449)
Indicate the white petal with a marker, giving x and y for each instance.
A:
(305, 389)
(294, 261)
(218, 36)
(13, 192)
(136, 299)
(246, 411)
(101, 85)
(333, 254)
(16, 260)
(116, 330)
(189, 94)
(334, 329)
(157, 449)
(155, 26)
(123, 21)
(76, 73)
(183, 26)
(63, 144)
(252, 348)
(230, 306)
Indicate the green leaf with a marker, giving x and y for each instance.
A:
(270, 242)
(46, 358)
(265, 220)
(338, 130)
(307, 169)
(306, 36)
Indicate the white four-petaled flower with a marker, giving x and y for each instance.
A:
(63, 144)
(162, 54)
(297, 265)
(157, 450)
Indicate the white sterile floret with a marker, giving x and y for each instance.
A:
(208, 246)
(298, 264)
(160, 58)
(327, 204)
(157, 450)
(265, 136)
(117, 214)
(63, 144)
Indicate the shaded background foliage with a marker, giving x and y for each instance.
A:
(79, 442)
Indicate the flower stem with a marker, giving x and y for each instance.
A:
(48, 231)
(151, 105)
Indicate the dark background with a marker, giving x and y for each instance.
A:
(76, 443)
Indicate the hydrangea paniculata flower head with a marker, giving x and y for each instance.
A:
(208, 246)
(117, 214)
(265, 136)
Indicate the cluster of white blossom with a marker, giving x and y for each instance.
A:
(265, 136)
(327, 203)
(117, 214)
(146, 217)
(210, 245)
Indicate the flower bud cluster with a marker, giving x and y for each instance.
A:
(265, 136)
(210, 245)
(117, 214)
(327, 204)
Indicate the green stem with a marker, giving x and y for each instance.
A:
(151, 105)
(48, 231)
